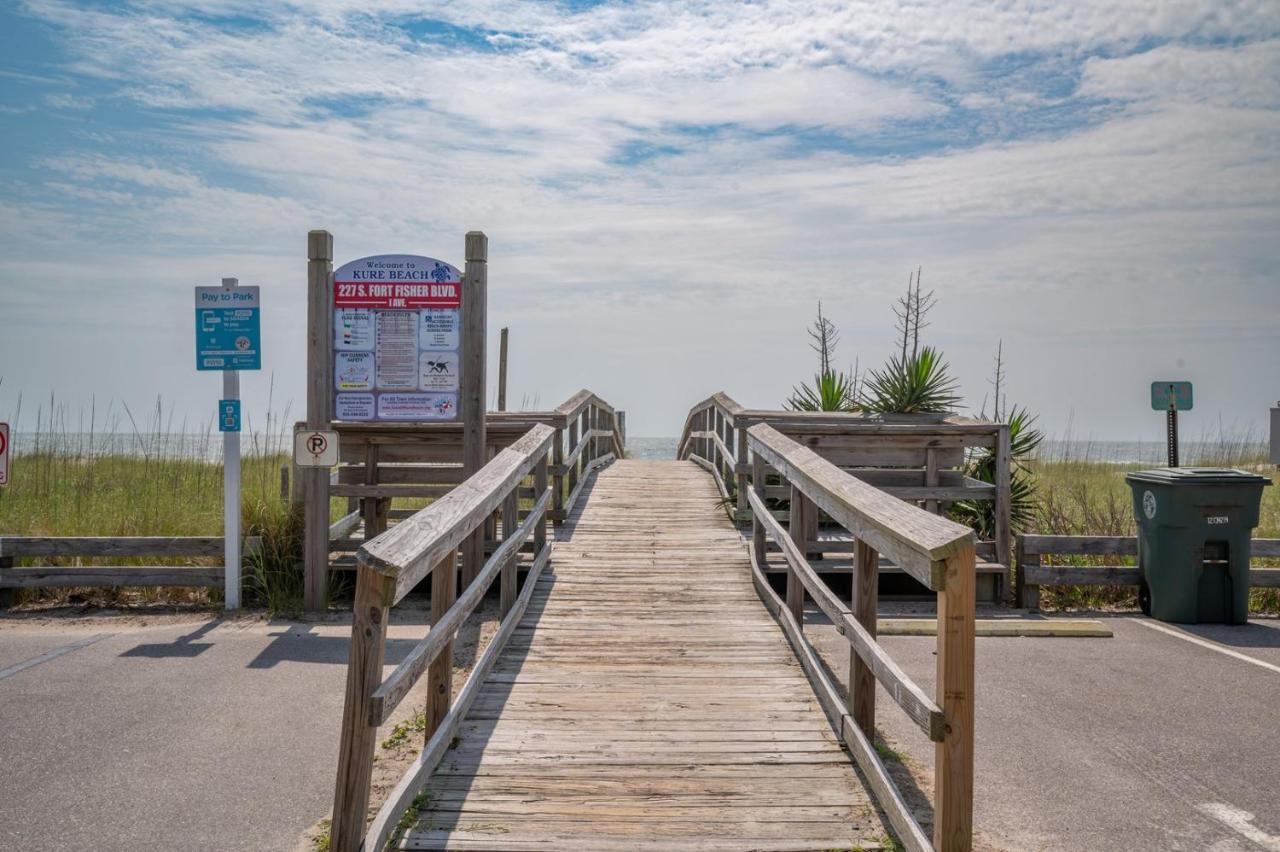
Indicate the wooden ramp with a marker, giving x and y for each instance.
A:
(647, 700)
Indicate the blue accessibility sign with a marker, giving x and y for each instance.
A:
(228, 329)
(228, 415)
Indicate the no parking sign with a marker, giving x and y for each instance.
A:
(315, 448)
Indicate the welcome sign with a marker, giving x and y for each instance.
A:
(396, 339)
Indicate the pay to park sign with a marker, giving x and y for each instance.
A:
(396, 339)
(228, 329)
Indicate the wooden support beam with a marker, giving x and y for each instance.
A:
(798, 527)
(507, 583)
(471, 407)
(315, 480)
(364, 672)
(558, 480)
(862, 680)
(444, 591)
(953, 757)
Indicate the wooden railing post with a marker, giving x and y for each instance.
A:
(557, 458)
(1028, 593)
(444, 591)
(374, 593)
(953, 757)
(866, 594)
(573, 445)
(757, 525)
(1004, 495)
(798, 526)
(507, 577)
(539, 487)
(740, 476)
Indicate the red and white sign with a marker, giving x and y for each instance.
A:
(397, 282)
(4, 453)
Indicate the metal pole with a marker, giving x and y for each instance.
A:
(231, 486)
(1173, 434)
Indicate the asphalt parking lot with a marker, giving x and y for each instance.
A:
(1164, 737)
(222, 735)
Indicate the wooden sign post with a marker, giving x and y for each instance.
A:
(319, 414)
(475, 296)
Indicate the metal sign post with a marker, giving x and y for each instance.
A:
(228, 338)
(1171, 397)
(4, 453)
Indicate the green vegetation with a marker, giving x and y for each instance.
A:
(95, 483)
(916, 383)
(401, 730)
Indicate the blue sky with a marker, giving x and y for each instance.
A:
(668, 188)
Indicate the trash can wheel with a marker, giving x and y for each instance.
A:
(1144, 597)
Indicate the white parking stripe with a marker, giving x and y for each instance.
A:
(1242, 823)
(50, 655)
(1205, 643)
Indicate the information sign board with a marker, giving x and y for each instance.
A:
(396, 339)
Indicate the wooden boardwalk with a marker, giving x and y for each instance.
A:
(647, 700)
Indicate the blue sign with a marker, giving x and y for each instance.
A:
(1171, 396)
(228, 415)
(228, 329)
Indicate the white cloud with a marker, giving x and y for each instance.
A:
(712, 250)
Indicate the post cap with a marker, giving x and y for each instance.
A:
(477, 248)
(319, 245)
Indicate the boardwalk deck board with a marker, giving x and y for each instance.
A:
(647, 699)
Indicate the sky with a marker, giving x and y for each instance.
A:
(669, 189)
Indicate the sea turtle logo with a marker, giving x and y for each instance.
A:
(441, 273)
(1149, 505)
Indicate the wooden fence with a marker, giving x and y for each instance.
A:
(426, 544)
(938, 553)
(920, 462)
(13, 548)
(1031, 573)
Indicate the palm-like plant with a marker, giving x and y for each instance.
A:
(1024, 438)
(830, 391)
(915, 383)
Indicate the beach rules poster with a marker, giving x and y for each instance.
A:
(396, 339)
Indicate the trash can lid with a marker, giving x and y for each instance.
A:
(1197, 476)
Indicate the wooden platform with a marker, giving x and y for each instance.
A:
(647, 700)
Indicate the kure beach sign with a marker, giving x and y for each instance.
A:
(396, 339)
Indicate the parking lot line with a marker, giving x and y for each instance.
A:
(1240, 822)
(50, 655)
(1205, 643)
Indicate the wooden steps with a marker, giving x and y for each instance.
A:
(647, 699)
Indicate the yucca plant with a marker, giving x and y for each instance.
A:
(831, 391)
(1024, 438)
(915, 383)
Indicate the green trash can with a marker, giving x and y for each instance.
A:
(1195, 526)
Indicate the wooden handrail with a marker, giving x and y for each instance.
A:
(904, 691)
(408, 551)
(919, 542)
(397, 684)
(939, 553)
